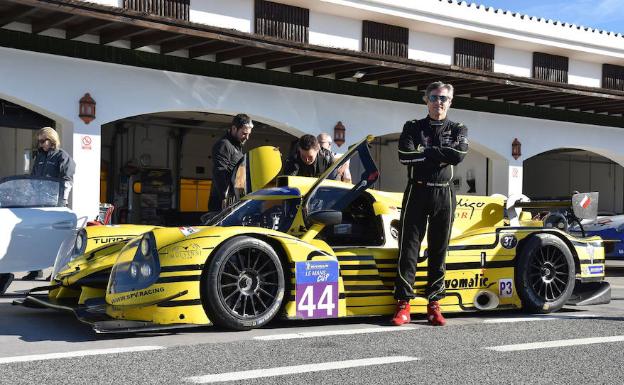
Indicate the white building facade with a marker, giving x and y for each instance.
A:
(47, 72)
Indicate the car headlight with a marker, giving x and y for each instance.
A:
(137, 266)
(70, 249)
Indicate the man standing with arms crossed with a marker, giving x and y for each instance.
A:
(429, 147)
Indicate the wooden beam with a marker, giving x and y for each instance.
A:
(16, 13)
(269, 56)
(384, 73)
(238, 52)
(209, 48)
(182, 42)
(339, 67)
(123, 33)
(349, 73)
(151, 38)
(509, 93)
(290, 61)
(89, 26)
(564, 101)
(540, 97)
(485, 91)
(312, 65)
(403, 78)
(51, 21)
(421, 83)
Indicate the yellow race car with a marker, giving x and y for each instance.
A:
(318, 248)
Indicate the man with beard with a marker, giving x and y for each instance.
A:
(226, 153)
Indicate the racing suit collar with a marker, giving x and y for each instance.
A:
(436, 123)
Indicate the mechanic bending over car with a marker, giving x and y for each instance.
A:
(429, 147)
(309, 158)
(226, 153)
(54, 162)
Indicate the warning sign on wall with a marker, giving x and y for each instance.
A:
(85, 141)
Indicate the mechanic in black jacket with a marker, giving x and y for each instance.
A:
(308, 158)
(226, 153)
(54, 162)
(429, 148)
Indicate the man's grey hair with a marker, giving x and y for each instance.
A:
(437, 85)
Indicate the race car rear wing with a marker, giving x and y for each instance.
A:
(582, 205)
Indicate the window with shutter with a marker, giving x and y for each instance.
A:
(474, 54)
(282, 21)
(175, 9)
(613, 77)
(384, 39)
(552, 68)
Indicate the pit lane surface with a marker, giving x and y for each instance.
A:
(578, 345)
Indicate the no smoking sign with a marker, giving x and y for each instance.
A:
(85, 141)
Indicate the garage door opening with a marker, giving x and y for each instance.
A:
(168, 154)
(18, 126)
(470, 177)
(557, 173)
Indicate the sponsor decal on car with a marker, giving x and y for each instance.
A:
(469, 283)
(105, 240)
(188, 230)
(465, 208)
(138, 294)
(317, 289)
(593, 269)
(186, 252)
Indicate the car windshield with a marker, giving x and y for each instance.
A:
(29, 192)
(275, 214)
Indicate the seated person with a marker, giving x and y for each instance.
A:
(308, 159)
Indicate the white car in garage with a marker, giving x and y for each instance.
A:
(34, 223)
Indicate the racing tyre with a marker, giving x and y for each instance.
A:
(243, 285)
(545, 274)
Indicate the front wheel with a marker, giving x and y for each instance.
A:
(243, 285)
(545, 274)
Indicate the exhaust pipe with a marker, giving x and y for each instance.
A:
(485, 300)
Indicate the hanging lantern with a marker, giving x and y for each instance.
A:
(87, 108)
(339, 134)
(516, 149)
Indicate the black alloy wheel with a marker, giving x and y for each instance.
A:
(244, 285)
(545, 274)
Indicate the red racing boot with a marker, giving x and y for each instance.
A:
(434, 316)
(402, 315)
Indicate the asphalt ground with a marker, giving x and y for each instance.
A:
(576, 345)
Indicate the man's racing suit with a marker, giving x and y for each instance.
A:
(429, 148)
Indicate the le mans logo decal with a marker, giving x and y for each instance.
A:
(585, 202)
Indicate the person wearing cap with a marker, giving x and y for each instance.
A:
(429, 147)
(226, 153)
(325, 141)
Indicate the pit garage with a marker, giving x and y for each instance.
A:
(18, 126)
(157, 168)
(557, 173)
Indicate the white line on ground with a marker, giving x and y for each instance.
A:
(556, 344)
(326, 333)
(539, 317)
(78, 353)
(285, 370)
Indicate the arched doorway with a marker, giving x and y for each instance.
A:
(171, 152)
(17, 144)
(557, 173)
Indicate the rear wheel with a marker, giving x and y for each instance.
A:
(244, 284)
(545, 274)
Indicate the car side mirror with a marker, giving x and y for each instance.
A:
(325, 217)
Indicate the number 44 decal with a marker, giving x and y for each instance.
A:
(325, 302)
